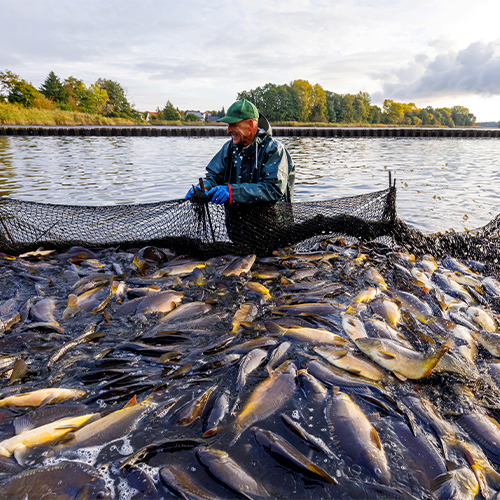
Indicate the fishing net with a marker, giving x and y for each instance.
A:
(199, 227)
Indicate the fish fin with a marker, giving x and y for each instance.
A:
(210, 432)
(72, 300)
(66, 438)
(386, 355)
(20, 454)
(321, 473)
(341, 353)
(132, 402)
(400, 377)
(438, 481)
(247, 324)
(67, 426)
(375, 439)
(273, 327)
(22, 424)
(19, 370)
(46, 401)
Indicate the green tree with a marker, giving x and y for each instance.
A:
(8, 80)
(191, 117)
(276, 102)
(374, 114)
(117, 103)
(425, 116)
(361, 107)
(348, 111)
(461, 116)
(331, 115)
(54, 89)
(446, 118)
(289, 110)
(91, 100)
(23, 93)
(169, 112)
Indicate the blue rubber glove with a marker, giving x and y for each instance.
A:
(219, 194)
(191, 192)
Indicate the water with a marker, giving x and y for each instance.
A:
(442, 183)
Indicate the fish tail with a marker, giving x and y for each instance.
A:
(273, 327)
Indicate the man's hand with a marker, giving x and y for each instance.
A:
(191, 192)
(219, 194)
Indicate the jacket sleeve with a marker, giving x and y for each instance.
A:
(216, 168)
(273, 182)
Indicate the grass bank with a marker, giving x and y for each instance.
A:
(13, 114)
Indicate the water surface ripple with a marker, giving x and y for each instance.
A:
(442, 183)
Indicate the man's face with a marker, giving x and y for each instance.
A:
(242, 132)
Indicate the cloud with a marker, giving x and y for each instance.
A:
(473, 70)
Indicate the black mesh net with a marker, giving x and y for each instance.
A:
(199, 227)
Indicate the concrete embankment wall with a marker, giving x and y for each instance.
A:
(215, 131)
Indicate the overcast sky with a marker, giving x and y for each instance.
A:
(199, 54)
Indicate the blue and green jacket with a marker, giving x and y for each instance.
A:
(261, 172)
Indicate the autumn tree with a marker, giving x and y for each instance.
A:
(8, 79)
(318, 104)
(462, 117)
(117, 103)
(91, 100)
(305, 95)
(27, 95)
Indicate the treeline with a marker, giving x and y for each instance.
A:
(299, 102)
(104, 97)
(303, 102)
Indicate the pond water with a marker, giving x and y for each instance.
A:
(442, 183)
(118, 344)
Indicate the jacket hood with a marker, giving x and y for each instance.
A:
(264, 127)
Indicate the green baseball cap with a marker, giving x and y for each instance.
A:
(240, 110)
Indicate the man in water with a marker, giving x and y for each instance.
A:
(253, 167)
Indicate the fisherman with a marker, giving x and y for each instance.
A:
(252, 175)
(253, 167)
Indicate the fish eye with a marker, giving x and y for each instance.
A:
(378, 471)
(100, 495)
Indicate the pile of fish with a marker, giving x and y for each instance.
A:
(341, 372)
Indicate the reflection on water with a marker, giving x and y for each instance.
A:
(442, 183)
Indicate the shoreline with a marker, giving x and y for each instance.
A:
(220, 131)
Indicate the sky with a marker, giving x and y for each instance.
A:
(200, 54)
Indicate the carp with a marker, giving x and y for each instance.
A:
(400, 360)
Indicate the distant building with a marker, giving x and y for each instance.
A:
(151, 114)
(211, 118)
(198, 114)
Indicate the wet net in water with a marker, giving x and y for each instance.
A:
(199, 227)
